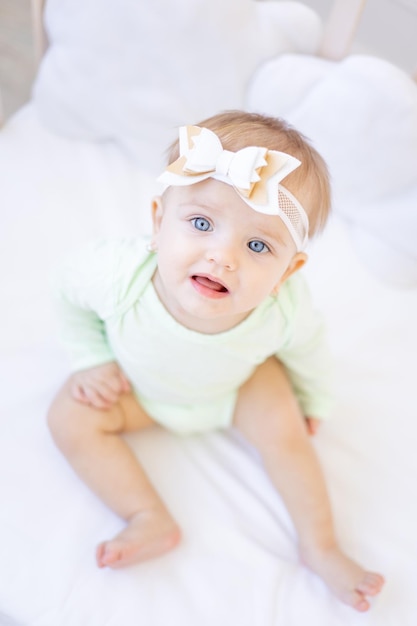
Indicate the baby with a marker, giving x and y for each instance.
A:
(205, 326)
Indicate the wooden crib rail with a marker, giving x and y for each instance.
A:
(40, 40)
(340, 28)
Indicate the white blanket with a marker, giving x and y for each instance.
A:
(237, 563)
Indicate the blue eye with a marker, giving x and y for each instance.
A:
(200, 223)
(258, 246)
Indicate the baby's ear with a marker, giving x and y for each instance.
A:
(294, 265)
(157, 213)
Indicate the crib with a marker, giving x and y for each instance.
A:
(79, 161)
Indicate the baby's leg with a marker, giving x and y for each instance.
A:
(268, 415)
(91, 440)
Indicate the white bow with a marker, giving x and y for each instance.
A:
(254, 172)
(202, 156)
(207, 155)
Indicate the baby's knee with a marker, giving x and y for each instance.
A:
(64, 420)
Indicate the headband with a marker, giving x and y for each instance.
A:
(254, 172)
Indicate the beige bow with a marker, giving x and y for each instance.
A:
(250, 170)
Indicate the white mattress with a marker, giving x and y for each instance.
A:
(237, 563)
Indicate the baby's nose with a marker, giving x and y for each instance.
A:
(224, 254)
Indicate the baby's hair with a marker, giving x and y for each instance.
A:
(309, 183)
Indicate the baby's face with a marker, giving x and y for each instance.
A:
(217, 258)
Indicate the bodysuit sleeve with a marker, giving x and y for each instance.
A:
(305, 352)
(89, 289)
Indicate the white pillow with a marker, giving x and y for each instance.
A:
(361, 114)
(132, 71)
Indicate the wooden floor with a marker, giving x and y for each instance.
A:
(17, 64)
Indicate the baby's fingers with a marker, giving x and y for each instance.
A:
(117, 384)
(126, 388)
(78, 394)
(313, 425)
(94, 395)
(96, 398)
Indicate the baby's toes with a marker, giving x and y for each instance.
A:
(371, 584)
(359, 602)
(106, 556)
(355, 599)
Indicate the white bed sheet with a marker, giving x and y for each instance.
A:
(237, 563)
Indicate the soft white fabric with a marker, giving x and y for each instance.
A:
(361, 114)
(237, 563)
(145, 68)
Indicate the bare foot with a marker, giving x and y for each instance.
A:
(149, 534)
(348, 580)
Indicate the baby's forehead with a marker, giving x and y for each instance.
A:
(209, 190)
(209, 193)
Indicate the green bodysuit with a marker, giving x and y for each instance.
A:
(187, 381)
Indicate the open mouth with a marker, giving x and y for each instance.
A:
(210, 284)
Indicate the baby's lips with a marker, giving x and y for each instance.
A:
(211, 283)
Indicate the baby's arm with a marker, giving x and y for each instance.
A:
(100, 387)
(305, 353)
(84, 290)
(90, 288)
(93, 286)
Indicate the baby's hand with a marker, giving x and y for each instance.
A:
(312, 424)
(100, 386)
